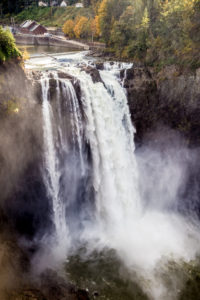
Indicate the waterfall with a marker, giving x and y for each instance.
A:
(110, 134)
(95, 180)
(76, 121)
(52, 174)
(63, 153)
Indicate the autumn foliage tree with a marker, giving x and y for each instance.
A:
(95, 28)
(68, 28)
(81, 28)
(110, 11)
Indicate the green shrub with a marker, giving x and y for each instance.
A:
(8, 48)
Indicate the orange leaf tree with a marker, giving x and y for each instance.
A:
(81, 29)
(68, 28)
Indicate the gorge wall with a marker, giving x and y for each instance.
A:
(170, 97)
(165, 109)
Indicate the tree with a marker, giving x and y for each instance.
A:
(95, 29)
(86, 3)
(68, 28)
(110, 11)
(81, 29)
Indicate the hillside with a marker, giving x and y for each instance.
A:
(55, 16)
(156, 33)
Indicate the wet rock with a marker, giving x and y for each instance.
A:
(99, 65)
(51, 286)
(37, 91)
(94, 73)
(77, 88)
(27, 294)
(65, 76)
(82, 295)
(56, 287)
(35, 75)
(96, 53)
(96, 294)
(52, 88)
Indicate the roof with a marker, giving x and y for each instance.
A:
(79, 4)
(54, 3)
(36, 26)
(63, 4)
(41, 3)
(31, 26)
(27, 23)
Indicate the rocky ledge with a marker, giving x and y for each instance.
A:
(50, 286)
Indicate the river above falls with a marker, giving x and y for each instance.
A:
(45, 49)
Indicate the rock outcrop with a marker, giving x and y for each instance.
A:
(170, 97)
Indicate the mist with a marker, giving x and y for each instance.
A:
(162, 232)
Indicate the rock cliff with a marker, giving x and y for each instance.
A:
(170, 98)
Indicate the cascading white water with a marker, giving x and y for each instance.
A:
(52, 176)
(110, 133)
(76, 121)
(56, 146)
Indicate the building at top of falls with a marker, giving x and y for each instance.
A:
(79, 4)
(32, 27)
(63, 4)
(42, 4)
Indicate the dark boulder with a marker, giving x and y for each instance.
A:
(94, 73)
(99, 65)
(65, 76)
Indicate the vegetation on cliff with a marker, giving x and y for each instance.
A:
(8, 48)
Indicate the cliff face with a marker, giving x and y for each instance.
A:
(168, 98)
(21, 153)
(165, 109)
(25, 209)
(13, 86)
